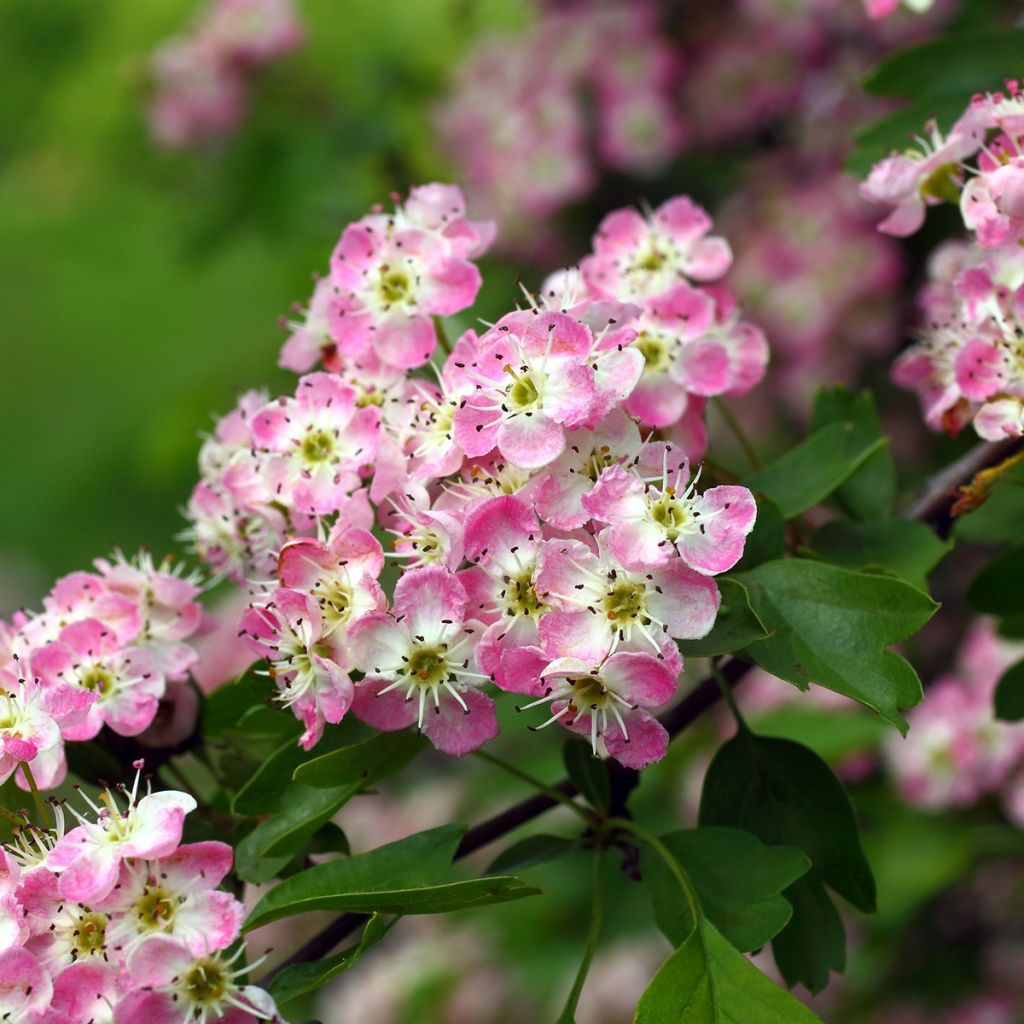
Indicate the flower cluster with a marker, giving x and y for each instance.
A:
(102, 652)
(117, 921)
(883, 8)
(516, 121)
(546, 544)
(968, 365)
(201, 80)
(956, 752)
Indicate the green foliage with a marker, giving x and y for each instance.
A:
(998, 520)
(870, 490)
(1009, 696)
(738, 881)
(588, 773)
(832, 626)
(807, 474)
(706, 981)
(786, 795)
(736, 626)
(381, 754)
(301, 979)
(404, 877)
(997, 588)
(767, 540)
(902, 547)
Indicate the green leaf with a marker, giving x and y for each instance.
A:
(767, 540)
(1010, 694)
(831, 626)
(810, 472)
(870, 491)
(301, 979)
(738, 881)
(385, 752)
(259, 855)
(706, 981)
(900, 546)
(997, 590)
(223, 708)
(588, 773)
(786, 795)
(536, 849)
(971, 62)
(736, 626)
(404, 877)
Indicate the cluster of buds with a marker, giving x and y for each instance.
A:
(956, 752)
(103, 651)
(202, 79)
(549, 543)
(968, 365)
(517, 119)
(117, 922)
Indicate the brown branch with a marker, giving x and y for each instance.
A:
(932, 507)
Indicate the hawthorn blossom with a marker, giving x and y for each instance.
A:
(420, 667)
(318, 442)
(654, 507)
(88, 858)
(600, 605)
(25, 987)
(308, 662)
(638, 257)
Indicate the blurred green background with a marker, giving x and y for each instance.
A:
(141, 290)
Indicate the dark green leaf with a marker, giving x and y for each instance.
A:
(870, 491)
(900, 546)
(785, 794)
(259, 854)
(706, 981)
(767, 540)
(997, 588)
(813, 944)
(831, 626)
(382, 754)
(810, 472)
(738, 881)
(405, 877)
(537, 849)
(588, 772)
(1010, 694)
(301, 979)
(329, 838)
(736, 625)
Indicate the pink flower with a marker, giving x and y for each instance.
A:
(253, 32)
(422, 534)
(654, 510)
(125, 682)
(88, 859)
(318, 443)
(908, 182)
(609, 701)
(25, 987)
(992, 202)
(83, 993)
(636, 258)
(308, 663)
(420, 667)
(176, 895)
(174, 986)
(391, 274)
(599, 605)
(534, 380)
(309, 341)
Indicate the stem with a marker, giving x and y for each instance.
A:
(594, 935)
(442, 336)
(665, 854)
(542, 787)
(18, 820)
(738, 432)
(44, 812)
(730, 699)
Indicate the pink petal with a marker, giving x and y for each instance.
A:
(455, 732)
